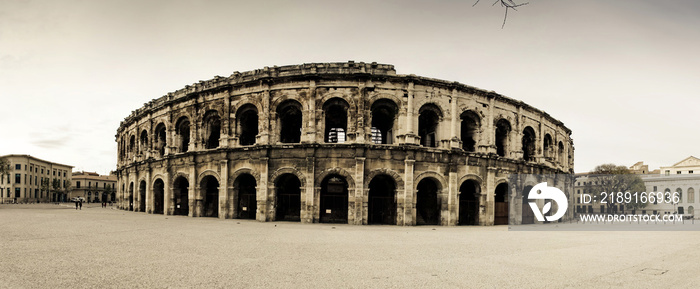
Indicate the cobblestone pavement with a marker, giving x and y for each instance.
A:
(56, 246)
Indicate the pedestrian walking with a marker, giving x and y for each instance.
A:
(76, 205)
(81, 204)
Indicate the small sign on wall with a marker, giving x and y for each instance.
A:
(328, 211)
(245, 208)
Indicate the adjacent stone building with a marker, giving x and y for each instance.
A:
(94, 187)
(32, 180)
(347, 142)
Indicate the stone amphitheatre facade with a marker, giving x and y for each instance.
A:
(347, 142)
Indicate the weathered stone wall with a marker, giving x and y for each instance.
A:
(285, 125)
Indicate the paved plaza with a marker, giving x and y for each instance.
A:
(55, 246)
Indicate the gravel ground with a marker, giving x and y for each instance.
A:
(55, 246)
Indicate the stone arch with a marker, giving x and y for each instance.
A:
(235, 174)
(244, 196)
(430, 116)
(502, 130)
(285, 96)
(247, 124)
(382, 204)
(391, 97)
(206, 173)
(470, 200)
(470, 130)
(288, 170)
(323, 100)
(290, 119)
(160, 138)
(288, 193)
(335, 171)
(183, 128)
(181, 185)
(548, 146)
(384, 115)
(142, 195)
(427, 199)
(528, 144)
(211, 132)
(442, 183)
(336, 112)
(393, 174)
(207, 202)
(158, 194)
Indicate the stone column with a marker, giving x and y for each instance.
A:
(310, 135)
(265, 115)
(262, 195)
(406, 206)
(356, 214)
(307, 192)
(224, 206)
(149, 192)
(452, 214)
(455, 141)
(193, 197)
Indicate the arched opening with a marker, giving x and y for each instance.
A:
(247, 119)
(691, 211)
(501, 205)
(427, 203)
(691, 195)
(502, 133)
(334, 200)
(132, 145)
(528, 144)
(180, 196)
(288, 193)
(289, 120)
(245, 188)
(158, 196)
(381, 203)
(680, 195)
(131, 196)
(143, 143)
(528, 216)
(469, 129)
(212, 129)
(469, 203)
(160, 139)
(142, 196)
(183, 134)
(383, 116)
(547, 147)
(560, 154)
(209, 187)
(336, 120)
(428, 120)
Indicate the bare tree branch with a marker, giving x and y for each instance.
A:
(508, 4)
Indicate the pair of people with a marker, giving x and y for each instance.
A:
(78, 204)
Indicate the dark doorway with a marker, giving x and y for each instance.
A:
(382, 202)
(245, 186)
(158, 193)
(383, 115)
(142, 196)
(290, 117)
(288, 188)
(469, 129)
(427, 205)
(210, 190)
(469, 203)
(528, 216)
(180, 196)
(334, 200)
(501, 205)
(428, 120)
(502, 132)
(528, 144)
(247, 124)
(131, 196)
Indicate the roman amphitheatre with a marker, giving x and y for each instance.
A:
(351, 142)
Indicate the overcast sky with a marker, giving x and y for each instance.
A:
(624, 76)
